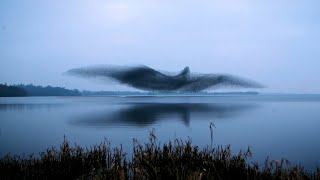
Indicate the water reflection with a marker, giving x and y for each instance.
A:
(27, 107)
(144, 114)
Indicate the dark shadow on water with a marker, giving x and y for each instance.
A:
(144, 114)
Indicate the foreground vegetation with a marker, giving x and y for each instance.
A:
(173, 160)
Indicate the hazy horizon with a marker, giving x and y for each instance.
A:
(271, 42)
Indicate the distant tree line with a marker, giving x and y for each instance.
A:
(32, 90)
(11, 91)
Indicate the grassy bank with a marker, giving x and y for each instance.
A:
(173, 160)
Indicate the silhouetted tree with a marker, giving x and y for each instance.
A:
(32, 90)
(11, 91)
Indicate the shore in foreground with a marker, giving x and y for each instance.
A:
(176, 159)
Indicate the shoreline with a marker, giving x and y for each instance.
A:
(177, 159)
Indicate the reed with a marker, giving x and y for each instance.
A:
(177, 159)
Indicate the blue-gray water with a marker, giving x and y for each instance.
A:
(272, 125)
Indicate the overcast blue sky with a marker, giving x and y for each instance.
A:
(273, 42)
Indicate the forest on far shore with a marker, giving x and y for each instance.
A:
(32, 90)
(21, 90)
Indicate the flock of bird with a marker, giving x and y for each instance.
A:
(145, 78)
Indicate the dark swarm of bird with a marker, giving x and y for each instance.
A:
(145, 78)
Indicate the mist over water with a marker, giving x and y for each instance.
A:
(272, 125)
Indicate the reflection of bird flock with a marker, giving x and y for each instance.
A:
(144, 114)
(146, 78)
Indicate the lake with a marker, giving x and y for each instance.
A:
(272, 125)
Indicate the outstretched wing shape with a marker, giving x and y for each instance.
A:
(201, 82)
(146, 78)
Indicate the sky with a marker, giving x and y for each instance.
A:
(272, 42)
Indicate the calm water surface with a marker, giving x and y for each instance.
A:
(272, 125)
